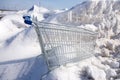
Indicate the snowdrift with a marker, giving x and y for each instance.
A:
(104, 17)
(19, 46)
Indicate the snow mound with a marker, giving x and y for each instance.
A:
(102, 16)
(19, 44)
(26, 42)
(89, 12)
(39, 12)
(35, 8)
(10, 25)
(19, 50)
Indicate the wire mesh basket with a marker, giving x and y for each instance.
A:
(63, 44)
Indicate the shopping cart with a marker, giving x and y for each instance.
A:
(62, 44)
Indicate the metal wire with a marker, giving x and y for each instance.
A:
(64, 44)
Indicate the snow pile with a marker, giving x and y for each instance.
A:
(40, 12)
(89, 12)
(20, 54)
(37, 9)
(10, 25)
(19, 49)
(26, 42)
(88, 69)
(104, 17)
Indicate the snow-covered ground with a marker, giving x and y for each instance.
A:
(20, 53)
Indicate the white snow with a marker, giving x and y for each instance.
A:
(115, 64)
(38, 12)
(10, 25)
(25, 41)
(89, 27)
(20, 53)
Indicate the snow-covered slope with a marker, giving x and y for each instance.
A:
(20, 57)
(20, 54)
(36, 9)
(40, 12)
(24, 41)
(103, 16)
(19, 50)
(89, 12)
(11, 25)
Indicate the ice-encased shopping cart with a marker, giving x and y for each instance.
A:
(62, 44)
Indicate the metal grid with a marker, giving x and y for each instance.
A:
(63, 44)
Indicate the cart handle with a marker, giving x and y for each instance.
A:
(27, 20)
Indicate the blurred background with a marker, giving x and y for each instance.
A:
(26, 4)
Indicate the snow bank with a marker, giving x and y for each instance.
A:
(90, 27)
(11, 25)
(39, 12)
(84, 70)
(26, 42)
(102, 16)
(18, 44)
(19, 50)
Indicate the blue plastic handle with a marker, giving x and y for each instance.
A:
(27, 20)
